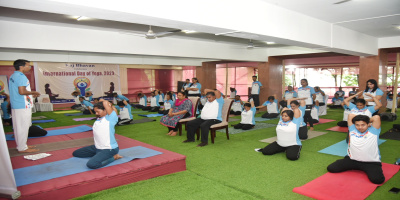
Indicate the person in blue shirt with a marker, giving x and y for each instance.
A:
(21, 98)
(340, 92)
(319, 95)
(6, 108)
(89, 96)
(142, 101)
(294, 104)
(255, 91)
(336, 101)
(87, 107)
(76, 94)
(233, 93)
(168, 103)
(287, 132)
(272, 107)
(210, 115)
(105, 149)
(125, 115)
(237, 106)
(373, 89)
(194, 89)
(186, 85)
(247, 122)
(363, 150)
(305, 91)
(161, 99)
(119, 97)
(154, 103)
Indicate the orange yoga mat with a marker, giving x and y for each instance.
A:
(345, 185)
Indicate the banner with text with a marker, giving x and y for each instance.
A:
(59, 80)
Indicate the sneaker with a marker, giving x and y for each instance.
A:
(396, 163)
(186, 141)
(257, 150)
(202, 144)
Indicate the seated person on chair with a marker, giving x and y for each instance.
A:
(105, 149)
(125, 115)
(76, 94)
(142, 101)
(336, 101)
(362, 151)
(154, 104)
(287, 132)
(182, 108)
(210, 115)
(248, 113)
(89, 96)
(87, 107)
(48, 91)
(167, 105)
(272, 107)
(237, 106)
(6, 108)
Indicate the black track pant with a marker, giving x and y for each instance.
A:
(270, 115)
(372, 169)
(303, 133)
(307, 116)
(235, 113)
(292, 152)
(204, 126)
(243, 126)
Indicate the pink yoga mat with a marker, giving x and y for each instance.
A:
(339, 129)
(321, 121)
(346, 185)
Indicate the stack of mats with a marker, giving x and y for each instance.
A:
(71, 179)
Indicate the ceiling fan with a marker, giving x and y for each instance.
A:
(151, 35)
(343, 1)
(250, 45)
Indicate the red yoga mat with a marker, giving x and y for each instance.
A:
(345, 185)
(322, 121)
(339, 129)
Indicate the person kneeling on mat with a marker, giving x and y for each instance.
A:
(272, 107)
(287, 132)
(362, 151)
(248, 113)
(124, 112)
(293, 104)
(87, 107)
(105, 149)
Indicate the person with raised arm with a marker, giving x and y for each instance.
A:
(272, 107)
(105, 149)
(362, 151)
(247, 122)
(359, 107)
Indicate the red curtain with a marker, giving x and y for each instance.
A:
(9, 70)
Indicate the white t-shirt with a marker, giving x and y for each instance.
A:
(378, 92)
(271, 107)
(364, 146)
(248, 116)
(104, 132)
(288, 132)
(168, 104)
(196, 85)
(314, 112)
(213, 110)
(237, 106)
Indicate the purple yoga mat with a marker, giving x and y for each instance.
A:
(83, 119)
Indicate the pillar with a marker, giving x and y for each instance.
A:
(206, 74)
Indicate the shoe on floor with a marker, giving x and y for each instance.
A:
(202, 144)
(186, 141)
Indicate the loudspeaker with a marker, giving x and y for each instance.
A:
(180, 85)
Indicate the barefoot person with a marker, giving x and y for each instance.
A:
(105, 149)
(21, 105)
(363, 151)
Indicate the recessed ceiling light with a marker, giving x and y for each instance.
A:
(398, 27)
(270, 42)
(188, 31)
(81, 18)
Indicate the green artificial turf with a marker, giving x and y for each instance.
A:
(231, 169)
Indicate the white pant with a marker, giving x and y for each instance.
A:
(22, 120)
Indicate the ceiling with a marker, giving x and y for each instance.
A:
(377, 18)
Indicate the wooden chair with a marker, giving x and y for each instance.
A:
(195, 102)
(224, 124)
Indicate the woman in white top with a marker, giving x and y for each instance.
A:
(194, 88)
(287, 132)
(363, 151)
(272, 107)
(372, 88)
(248, 113)
(167, 104)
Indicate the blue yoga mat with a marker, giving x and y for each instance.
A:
(340, 148)
(47, 171)
(73, 114)
(64, 131)
(151, 115)
(42, 121)
(260, 119)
